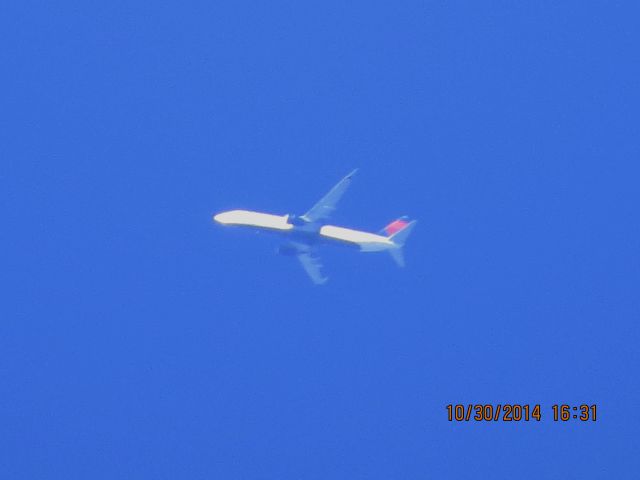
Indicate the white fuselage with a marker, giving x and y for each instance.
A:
(367, 242)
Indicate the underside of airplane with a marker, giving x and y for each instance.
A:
(305, 233)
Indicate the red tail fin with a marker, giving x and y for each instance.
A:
(395, 226)
(398, 231)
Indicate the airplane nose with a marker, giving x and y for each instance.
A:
(231, 217)
(224, 218)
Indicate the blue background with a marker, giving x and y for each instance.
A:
(140, 340)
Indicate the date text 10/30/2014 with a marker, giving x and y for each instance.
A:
(515, 412)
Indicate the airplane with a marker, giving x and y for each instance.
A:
(305, 233)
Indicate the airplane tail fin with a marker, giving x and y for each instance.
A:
(398, 231)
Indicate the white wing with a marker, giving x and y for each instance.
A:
(307, 257)
(312, 266)
(325, 207)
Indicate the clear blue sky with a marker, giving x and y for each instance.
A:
(139, 340)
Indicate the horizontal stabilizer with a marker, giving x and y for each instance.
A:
(398, 231)
(398, 256)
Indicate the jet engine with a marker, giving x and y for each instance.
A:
(296, 220)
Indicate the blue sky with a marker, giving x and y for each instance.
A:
(139, 340)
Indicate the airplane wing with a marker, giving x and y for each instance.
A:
(325, 207)
(309, 260)
(312, 266)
